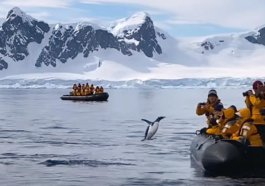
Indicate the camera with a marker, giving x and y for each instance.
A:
(246, 93)
(202, 104)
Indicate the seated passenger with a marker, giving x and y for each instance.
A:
(101, 89)
(83, 90)
(97, 90)
(87, 91)
(232, 128)
(224, 116)
(73, 93)
(248, 132)
(79, 90)
(208, 108)
(92, 89)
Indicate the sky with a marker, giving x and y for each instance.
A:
(180, 18)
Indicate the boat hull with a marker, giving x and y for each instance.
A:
(95, 97)
(226, 157)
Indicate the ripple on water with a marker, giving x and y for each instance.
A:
(91, 163)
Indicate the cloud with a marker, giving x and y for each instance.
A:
(38, 3)
(243, 14)
(40, 15)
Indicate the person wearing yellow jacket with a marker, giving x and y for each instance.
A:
(256, 103)
(232, 129)
(225, 116)
(247, 131)
(231, 126)
(208, 108)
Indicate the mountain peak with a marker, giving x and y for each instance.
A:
(17, 12)
(140, 16)
(131, 23)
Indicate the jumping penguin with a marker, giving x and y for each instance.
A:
(152, 128)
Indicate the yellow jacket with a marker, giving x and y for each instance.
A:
(208, 110)
(250, 132)
(233, 129)
(247, 129)
(229, 116)
(256, 105)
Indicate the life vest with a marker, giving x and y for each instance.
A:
(231, 127)
(250, 132)
(228, 116)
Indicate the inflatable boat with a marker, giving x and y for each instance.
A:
(226, 157)
(95, 97)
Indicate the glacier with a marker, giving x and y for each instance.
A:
(51, 83)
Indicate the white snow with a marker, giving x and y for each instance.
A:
(178, 61)
(183, 63)
(132, 41)
(57, 26)
(81, 25)
(130, 24)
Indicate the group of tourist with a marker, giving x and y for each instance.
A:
(246, 125)
(86, 90)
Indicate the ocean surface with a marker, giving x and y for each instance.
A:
(47, 141)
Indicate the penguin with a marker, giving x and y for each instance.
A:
(152, 128)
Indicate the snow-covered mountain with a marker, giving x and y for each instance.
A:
(17, 31)
(28, 45)
(130, 48)
(242, 42)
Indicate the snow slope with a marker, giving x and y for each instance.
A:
(212, 60)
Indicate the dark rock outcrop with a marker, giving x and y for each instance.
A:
(18, 30)
(257, 39)
(68, 41)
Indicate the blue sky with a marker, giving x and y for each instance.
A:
(189, 18)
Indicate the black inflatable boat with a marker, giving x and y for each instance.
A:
(226, 157)
(95, 97)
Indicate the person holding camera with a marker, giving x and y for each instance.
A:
(210, 107)
(256, 103)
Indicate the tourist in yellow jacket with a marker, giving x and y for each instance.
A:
(209, 107)
(256, 103)
(225, 116)
(232, 129)
(247, 130)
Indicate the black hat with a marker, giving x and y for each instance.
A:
(212, 92)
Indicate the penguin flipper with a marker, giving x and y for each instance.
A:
(146, 132)
(147, 121)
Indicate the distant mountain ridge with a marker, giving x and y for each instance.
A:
(67, 41)
(130, 48)
(218, 43)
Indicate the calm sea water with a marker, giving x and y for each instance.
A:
(47, 141)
